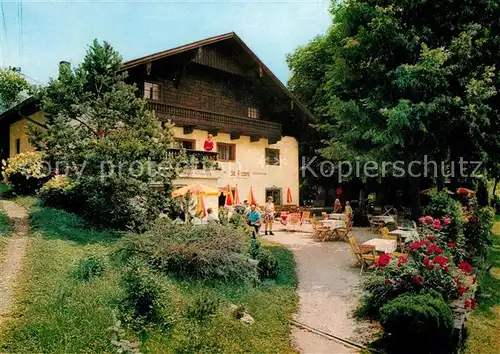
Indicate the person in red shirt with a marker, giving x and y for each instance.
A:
(209, 143)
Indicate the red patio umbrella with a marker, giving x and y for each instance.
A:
(289, 196)
(236, 196)
(251, 197)
(229, 196)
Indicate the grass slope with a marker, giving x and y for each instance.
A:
(484, 323)
(5, 230)
(5, 225)
(57, 314)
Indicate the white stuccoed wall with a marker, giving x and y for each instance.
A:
(250, 163)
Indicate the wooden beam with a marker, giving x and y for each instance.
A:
(214, 132)
(254, 138)
(274, 140)
(188, 129)
(235, 136)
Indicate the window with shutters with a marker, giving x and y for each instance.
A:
(227, 152)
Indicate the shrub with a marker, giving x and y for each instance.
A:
(254, 248)
(120, 203)
(203, 306)
(478, 235)
(268, 265)
(442, 205)
(418, 322)
(191, 251)
(238, 222)
(89, 268)
(481, 186)
(24, 173)
(495, 203)
(142, 294)
(60, 193)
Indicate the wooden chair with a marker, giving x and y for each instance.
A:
(305, 217)
(363, 253)
(342, 233)
(377, 225)
(384, 231)
(294, 221)
(320, 231)
(399, 254)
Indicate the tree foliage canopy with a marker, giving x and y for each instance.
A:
(102, 136)
(12, 85)
(400, 79)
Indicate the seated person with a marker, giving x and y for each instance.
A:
(254, 220)
(210, 218)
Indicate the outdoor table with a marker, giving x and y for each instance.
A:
(403, 233)
(382, 245)
(385, 218)
(334, 224)
(336, 216)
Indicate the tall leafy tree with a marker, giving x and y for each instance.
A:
(102, 136)
(12, 86)
(402, 79)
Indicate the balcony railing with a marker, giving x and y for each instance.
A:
(205, 120)
(196, 159)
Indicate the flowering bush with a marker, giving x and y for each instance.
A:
(430, 264)
(437, 238)
(477, 233)
(59, 192)
(25, 172)
(448, 211)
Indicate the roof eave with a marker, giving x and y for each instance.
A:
(157, 56)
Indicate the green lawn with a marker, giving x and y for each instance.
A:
(484, 323)
(5, 230)
(57, 314)
(5, 225)
(4, 189)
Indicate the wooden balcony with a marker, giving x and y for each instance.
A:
(196, 158)
(190, 118)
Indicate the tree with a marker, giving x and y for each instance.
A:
(403, 80)
(12, 85)
(102, 136)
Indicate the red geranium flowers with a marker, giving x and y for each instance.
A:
(383, 260)
(465, 267)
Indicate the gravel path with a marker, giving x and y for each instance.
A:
(328, 290)
(13, 255)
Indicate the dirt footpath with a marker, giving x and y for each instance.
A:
(329, 291)
(13, 253)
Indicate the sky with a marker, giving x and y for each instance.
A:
(55, 30)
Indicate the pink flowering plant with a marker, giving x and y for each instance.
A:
(436, 237)
(428, 264)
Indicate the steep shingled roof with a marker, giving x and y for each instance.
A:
(212, 40)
